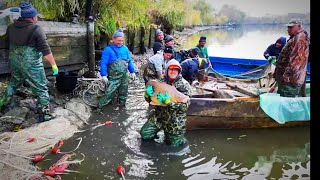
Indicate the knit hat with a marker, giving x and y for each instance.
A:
(118, 33)
(27, 10)
(195, 51)
(168, 49)
(158, 31)
(168, 38)
(202, 39)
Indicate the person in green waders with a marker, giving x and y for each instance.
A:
(114, 65)
(27, 45)
(171, 118)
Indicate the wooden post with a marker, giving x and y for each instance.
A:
(142, 35)
(91, 50)
(150, 35)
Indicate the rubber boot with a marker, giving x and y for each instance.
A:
(45, 114)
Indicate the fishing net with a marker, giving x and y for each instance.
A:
(16, 153)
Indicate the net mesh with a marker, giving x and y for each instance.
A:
(16, 153)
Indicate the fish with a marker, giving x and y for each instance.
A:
(161, 92)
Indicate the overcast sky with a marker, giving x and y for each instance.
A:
(263, 7)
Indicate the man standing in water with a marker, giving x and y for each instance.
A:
(291, 66)
(27, 45)
(171, 118)
(114, 64)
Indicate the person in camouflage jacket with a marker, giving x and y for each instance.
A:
(171, 118)
(291, 66)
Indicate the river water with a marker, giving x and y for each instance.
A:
(282, 153)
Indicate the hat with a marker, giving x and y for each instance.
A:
(294, 22)
(158, 31)
(202, 39)
(27, 10)
(118, 33)
(168, 38)
(195, 51)
(168, 49)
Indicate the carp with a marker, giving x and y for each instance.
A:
(161, 94)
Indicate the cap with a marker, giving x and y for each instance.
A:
(195, 51)
(174, 66)
(294, 22)
(202, 39)
(168, 38)
(168, 49)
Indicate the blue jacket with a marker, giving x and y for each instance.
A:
(272, 50)
(189, 69)
(109, 56)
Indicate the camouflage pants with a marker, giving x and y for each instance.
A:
(26, 64)
(288, 90)
(118, 80)
(173, 125)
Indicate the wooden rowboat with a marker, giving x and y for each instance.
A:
(228, 102)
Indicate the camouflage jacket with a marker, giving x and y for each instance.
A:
(291, 65)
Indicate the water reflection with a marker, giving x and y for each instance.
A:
(248, 41)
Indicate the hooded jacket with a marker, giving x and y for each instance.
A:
(179, 83)
(272, 50)
(189, 69)
(24, 33)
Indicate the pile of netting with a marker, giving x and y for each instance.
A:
(89, 90)
(19, 149)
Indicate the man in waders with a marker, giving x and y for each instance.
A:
(27, 45)
(291, 66)
(171, 118)
(114, 65)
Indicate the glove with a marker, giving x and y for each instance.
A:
(55, 69)
(133, 76)
(105, 80)
(166, 99)
(149, 91)
(272, 59)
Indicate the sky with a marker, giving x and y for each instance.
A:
(258, 8)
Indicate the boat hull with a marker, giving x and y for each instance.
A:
(210, 113)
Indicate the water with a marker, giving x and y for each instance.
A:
(241, 42)
(282, 153)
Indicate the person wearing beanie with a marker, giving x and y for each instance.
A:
(27, 46)
(172, 117)
(114, 64)
(273, 50)
(190, 67)
(203, 49)
(158, 44)
(155, 65)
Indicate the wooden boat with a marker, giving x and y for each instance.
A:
(228, 102)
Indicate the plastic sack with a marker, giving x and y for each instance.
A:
(285, 109)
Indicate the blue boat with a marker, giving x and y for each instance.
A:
(235, 66)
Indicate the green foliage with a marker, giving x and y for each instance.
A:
(59, 10)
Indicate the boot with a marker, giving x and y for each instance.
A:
(45, 114)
